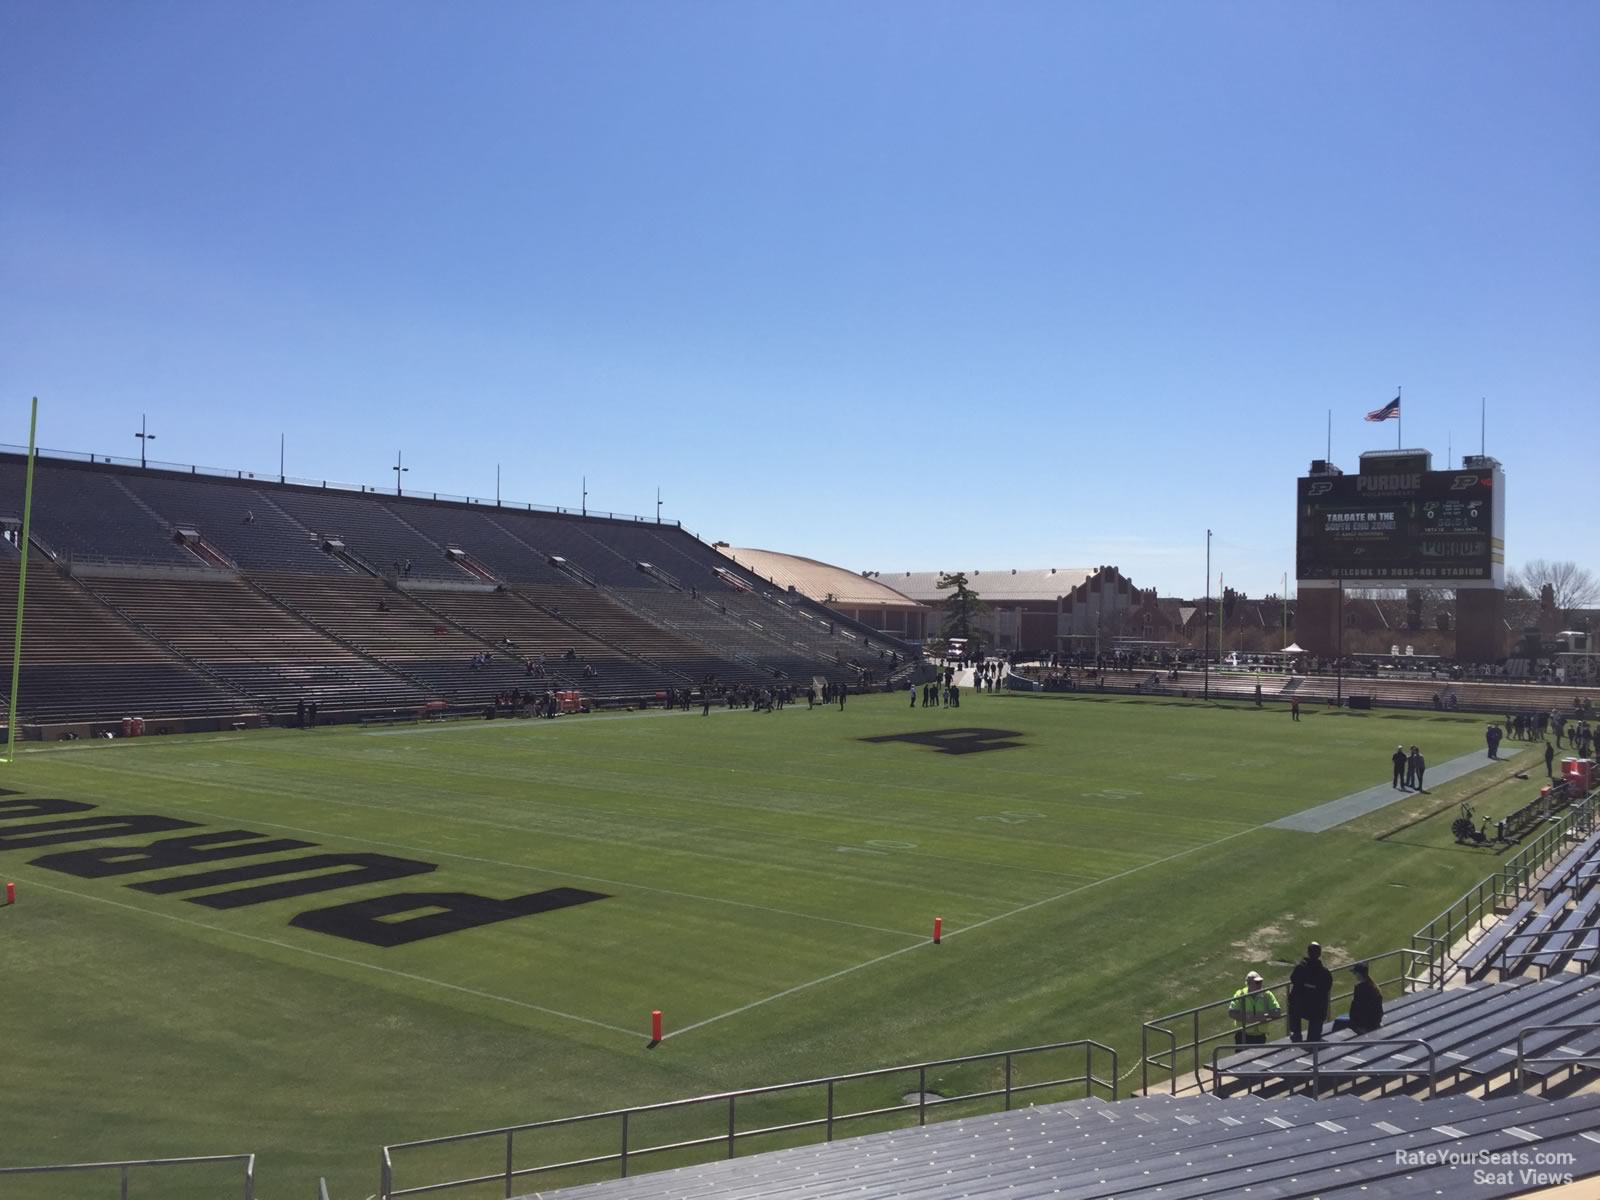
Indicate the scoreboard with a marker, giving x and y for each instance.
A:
(1395, 524)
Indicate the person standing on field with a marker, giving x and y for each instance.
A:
(1399, 761)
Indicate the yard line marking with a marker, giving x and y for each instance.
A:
(799, 987)
(353, 962)
(872, 962)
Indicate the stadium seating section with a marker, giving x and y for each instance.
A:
(177, 595)
(1168, 1148)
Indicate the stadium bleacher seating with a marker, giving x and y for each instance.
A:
(423, 647)
(256, 646)
(483, 537)
(372, 531)
(80, 661)
(594, 611)
(1164, 1148)
(1471, 1031)
(710, 620)
(260, 593)
(497, 616)
(238, 520)
(85, 515)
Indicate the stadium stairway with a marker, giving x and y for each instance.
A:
(1166, 1148)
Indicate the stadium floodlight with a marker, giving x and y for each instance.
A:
(143, 437)
(22, 584)
(399, 469)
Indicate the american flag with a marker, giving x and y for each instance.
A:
(1391, 409)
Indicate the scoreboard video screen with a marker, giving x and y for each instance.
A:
(1402, 525)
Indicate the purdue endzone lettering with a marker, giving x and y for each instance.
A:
(368, 921)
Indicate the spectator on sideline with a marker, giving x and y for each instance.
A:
(1492, 737)
(1414, 768)
(1294, 709)
(1549, 760)
(1251, 1005)
(1310, 986)
(1366, 1004)
(1399, 761)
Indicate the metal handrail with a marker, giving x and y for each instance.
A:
(1160, 1027)
(126, 1165)
(1582, 1060)
(628, 1152)
(1515, 881)
(1317, 1075)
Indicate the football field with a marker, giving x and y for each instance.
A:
(357, 936)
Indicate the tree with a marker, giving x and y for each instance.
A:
(1571, 585)
(962, 608)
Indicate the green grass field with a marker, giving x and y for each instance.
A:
(771, 884)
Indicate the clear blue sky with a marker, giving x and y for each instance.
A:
(898, 285)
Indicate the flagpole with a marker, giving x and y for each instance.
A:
(1399, 421)
(1330, 435)
(1483, 425)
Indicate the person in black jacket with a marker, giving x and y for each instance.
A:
(1400, 760)
(1310, 986)
(1366, 1004)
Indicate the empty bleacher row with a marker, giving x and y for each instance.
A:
(80, 514)
(81, 661)
(1556, 925)
(522, 631)
(257, 646)
(1168, 1148)
(407, 638)
(599, 614)
(239, 521)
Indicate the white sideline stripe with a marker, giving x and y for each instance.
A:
(339, 958)
(71, 747)
(872, 962)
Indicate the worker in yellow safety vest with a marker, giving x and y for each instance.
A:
(1253, 1004)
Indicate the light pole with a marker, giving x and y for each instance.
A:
(583, 507)
(399, 469)
(658, 505)
(1208, 617)
(143, 438)
(1339, 664)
